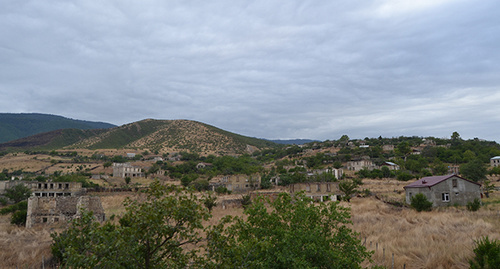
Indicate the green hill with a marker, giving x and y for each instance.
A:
(174, 135)
(16, 126)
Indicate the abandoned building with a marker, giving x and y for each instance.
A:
(46, 189)
(338, 173)
(360, 164)
(444, 190)
(495, 161)
(320, 191)
(53, 189)
(240, 183)
(124, 170)
(55, 210)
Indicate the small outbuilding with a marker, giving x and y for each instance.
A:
(444, 190)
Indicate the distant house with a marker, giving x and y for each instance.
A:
(240, 183)
(130, 155)
(359, 165)
(388, 147)
(392, 166)
(319, 191)
(124, 170)
(495, 161)
(203, 165)
(335, 172)
(444, 190)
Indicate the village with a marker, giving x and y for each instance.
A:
(54, 203)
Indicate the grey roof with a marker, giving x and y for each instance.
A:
(431, 181)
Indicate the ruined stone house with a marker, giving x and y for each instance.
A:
(320, 191)
(240, 183)
(61, 209)
(124, 170)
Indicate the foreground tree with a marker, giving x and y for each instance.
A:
(153, 233)
(291, 233)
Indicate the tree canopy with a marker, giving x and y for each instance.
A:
(293, 233)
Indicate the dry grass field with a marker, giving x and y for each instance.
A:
(442, 238)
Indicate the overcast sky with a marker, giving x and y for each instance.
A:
(267, 69)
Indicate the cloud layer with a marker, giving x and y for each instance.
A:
(270, 69)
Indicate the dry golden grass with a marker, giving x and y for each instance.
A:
(443, 238)
(23, 248)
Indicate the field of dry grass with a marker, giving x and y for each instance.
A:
(443, 238)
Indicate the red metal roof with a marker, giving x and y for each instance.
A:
(431, 181)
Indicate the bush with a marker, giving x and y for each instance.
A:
(221, 190)
(246, 201)
(487, 254)
(19, 217)
(474, 205)
(403, 176)
(420, 203)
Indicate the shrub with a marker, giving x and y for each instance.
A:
(487, 254)
(474, 205)
(221, 190)
(420, 203)
(403, 176)
(19, 217)
(246, 201)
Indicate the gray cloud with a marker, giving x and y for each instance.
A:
(280, 69)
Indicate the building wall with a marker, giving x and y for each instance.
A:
(461, 194)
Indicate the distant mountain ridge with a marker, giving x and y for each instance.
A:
(155, 135)
(293, 141)
(15, 126)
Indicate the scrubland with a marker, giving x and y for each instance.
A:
(442, 238)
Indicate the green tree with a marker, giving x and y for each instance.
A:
(348, 187)
(18, 193)
(420, 203)
(153, 233)
(487, 254)
(291, 233)
(403, 149)
(474, 170)
(439, 168)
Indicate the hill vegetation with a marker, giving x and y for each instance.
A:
(16, 126)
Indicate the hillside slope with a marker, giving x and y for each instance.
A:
(16, 126)
(174, 135)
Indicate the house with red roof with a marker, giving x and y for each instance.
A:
(444, 190)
